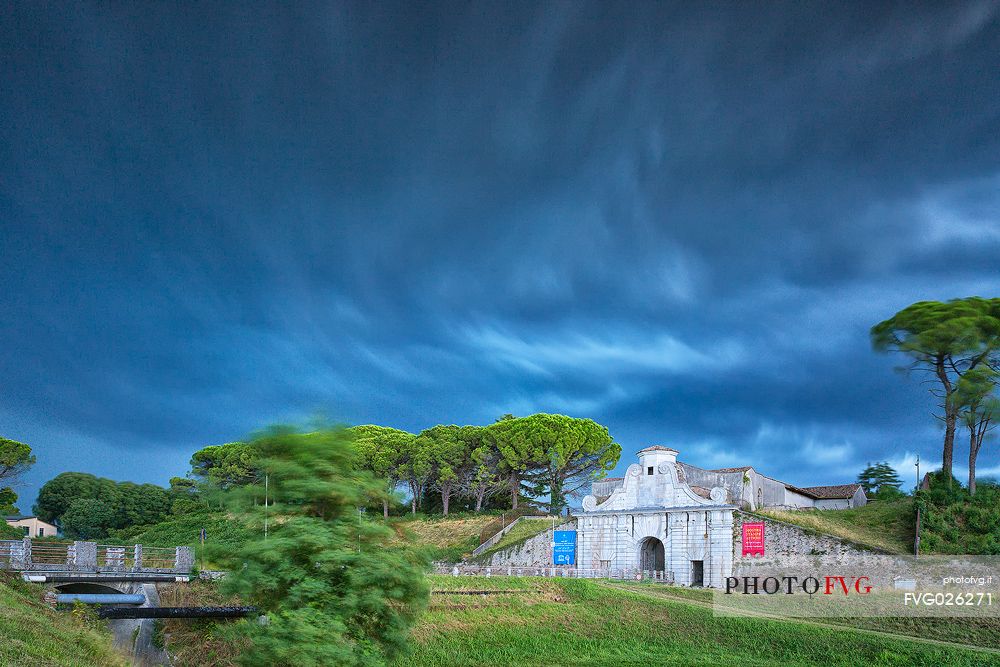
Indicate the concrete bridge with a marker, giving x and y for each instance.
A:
(90, 571)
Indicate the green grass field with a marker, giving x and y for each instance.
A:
(33, 634)
(550, 622)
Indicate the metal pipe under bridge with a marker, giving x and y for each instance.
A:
(79, 560)
(101, 598)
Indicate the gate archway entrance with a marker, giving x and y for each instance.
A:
(651, 555)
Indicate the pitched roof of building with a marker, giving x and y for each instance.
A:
(659, 448)
(799, 489)
(836, 491)
(739, 469)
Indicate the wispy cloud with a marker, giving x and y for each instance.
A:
(620, 352)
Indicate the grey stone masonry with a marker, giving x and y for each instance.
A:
(184, 560)
(114, 558)
(84, 556)
(20, 557)
(787, 545)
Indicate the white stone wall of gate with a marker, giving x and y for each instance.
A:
(687, 537)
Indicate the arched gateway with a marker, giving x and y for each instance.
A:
(651, 555)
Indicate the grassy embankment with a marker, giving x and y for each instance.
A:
(199, 642)
(523, 531)
(31, 633)
(580, 622)
(887, 525)
(448, 538)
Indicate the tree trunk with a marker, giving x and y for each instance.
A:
(515, 487)
(479, 497)
(950, 418)
(385, 509)
(949, 446)
(555, 495)
(445, 497)
(973, 453)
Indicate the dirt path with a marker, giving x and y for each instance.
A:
(829, 626)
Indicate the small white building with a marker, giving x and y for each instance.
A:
(32, 526)
(653, 520)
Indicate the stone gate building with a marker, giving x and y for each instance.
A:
(653, 520)
(682, 523)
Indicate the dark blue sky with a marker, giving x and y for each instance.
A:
(680, 221)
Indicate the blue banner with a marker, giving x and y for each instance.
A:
(564, 547)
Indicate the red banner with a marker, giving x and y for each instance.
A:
(753, 539)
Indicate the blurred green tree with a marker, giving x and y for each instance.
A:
(333, 590)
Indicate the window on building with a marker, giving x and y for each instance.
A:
(41, 532)
(649, 470)
(27, 531)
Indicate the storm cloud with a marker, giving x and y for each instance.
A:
(678, 220)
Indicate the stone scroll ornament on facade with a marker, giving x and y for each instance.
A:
(753, 539)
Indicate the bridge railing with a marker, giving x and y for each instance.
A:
(49, 553)
(28, 555)
(117, 557)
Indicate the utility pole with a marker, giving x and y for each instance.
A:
(916, 537)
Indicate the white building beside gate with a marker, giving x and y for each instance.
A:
(653, 520)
